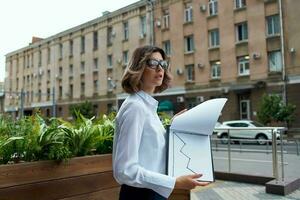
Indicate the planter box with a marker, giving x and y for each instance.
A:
(88, 177)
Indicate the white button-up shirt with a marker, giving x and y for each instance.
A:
(139, 148)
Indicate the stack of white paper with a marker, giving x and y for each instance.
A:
(189, 140)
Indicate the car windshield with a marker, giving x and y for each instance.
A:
(257, 124)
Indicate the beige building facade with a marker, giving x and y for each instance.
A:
(239, 49)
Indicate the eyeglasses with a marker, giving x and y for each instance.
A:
(154, 64)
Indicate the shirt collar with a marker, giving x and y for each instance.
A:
(148, 98)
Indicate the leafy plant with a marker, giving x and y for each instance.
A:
(86, 109)
(105, 133)
(79, 137)
(165, 118)
(32, 138)
(272, 109)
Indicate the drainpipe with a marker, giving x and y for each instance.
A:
(151, 4)
(284, 97)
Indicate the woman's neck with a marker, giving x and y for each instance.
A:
(149, 90)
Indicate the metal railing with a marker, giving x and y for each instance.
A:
(274, 131)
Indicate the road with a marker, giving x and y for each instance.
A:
(256, 159)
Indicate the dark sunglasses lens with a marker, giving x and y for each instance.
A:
(153, 62)
(164, 64)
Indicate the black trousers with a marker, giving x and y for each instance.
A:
(133, 193)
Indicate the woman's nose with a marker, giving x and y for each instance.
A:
(159, 68)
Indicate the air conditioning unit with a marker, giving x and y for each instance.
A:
(179, 71)
(203, 8)
(180, 99)
(292, 50)
(200, 99)
(40, 72)
(256, 56)
(200, 65)
(158, 23)
(142, 35)
(225, 90)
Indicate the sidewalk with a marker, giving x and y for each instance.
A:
(221, 190)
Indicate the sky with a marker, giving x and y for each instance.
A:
(22, 19)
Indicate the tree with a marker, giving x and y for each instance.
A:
(86, 109)
(272, 109)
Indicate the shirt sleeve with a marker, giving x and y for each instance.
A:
(126, 160)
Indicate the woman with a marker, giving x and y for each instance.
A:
(139, 150)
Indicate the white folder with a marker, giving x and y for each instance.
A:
(189, 147)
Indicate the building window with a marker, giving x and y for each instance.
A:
(241, 32)
(48, 94)
(71, 69)
(71, 48)
(125, 57)
(216, 70)
(166, 18)
(82, 44)
(39, 60)
(110, 108)
(95, 63)
(95, 40)
(39, 95)
(28, 61)
(273, 25)
(96, 85)
(188, 13)
(24, 62)
(109, 35)
(82, 88)
(143, 27)
(243, 66)
(125, 30)
(71, 91)
(17, 84)
(167, 47)
(60, 92)
(189, 44)
(48, 74)
(60, 51)
(110, 84)
(48, 55)
(213, 7)
(60, 71)
(240, 3)
(60, 111)
(275, 61)
(109, 61)
(82, 67)
(190, 73)
(214, 38)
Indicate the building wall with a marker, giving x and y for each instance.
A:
(230, 84)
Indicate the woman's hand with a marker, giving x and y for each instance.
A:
(188, 182)
(179, 113)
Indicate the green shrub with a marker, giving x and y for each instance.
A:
(272, 109)
(31, 138)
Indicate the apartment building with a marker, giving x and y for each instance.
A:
(238, 49)
(83, 63)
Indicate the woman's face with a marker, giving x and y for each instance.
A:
(153, 75)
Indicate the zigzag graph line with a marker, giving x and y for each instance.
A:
(187, 166)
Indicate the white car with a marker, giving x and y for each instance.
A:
(236, 131)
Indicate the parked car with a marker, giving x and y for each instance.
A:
(256, 132)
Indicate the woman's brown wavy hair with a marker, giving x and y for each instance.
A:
(131, 80)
